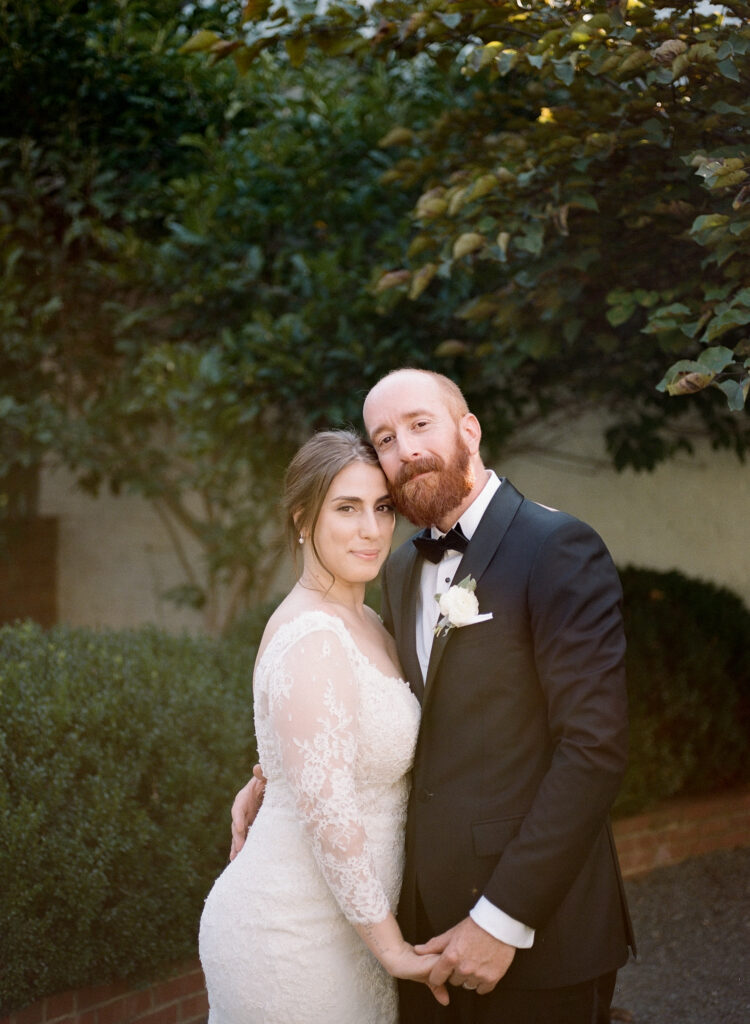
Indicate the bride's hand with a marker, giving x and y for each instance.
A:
(411, 966)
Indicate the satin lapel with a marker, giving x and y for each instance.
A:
(485, 542)
(405, 622)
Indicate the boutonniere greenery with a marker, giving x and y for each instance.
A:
(459, 607)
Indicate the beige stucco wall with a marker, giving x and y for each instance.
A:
(116, 559)
(691, 514)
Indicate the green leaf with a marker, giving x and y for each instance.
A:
(736, 393)
(725, 321)
(200, 42)
(729, 70)
(532, 239)
(564, 70)
(449, 20)
(716, 358)
(722, 107)
(620, 314)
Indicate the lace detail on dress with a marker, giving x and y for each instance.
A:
(312, 702)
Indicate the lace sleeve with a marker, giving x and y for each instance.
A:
(314, 713)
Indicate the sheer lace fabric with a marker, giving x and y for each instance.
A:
(336, 739)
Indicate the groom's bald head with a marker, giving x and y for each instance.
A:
(418, 382)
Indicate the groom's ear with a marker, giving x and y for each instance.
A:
(471, 431)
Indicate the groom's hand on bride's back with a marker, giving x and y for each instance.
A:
(245, 808)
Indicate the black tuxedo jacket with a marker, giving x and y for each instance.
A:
(523, 743)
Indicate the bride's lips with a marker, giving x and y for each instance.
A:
(369, 555)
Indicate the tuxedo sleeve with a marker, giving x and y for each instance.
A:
(574, 608)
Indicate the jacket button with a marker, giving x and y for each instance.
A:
(424, 795)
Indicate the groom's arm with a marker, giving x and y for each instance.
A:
(574, 599)
(578, 638)
(245, 808)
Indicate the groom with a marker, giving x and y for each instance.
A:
(511, 872)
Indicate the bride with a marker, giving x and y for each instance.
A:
(300, 926)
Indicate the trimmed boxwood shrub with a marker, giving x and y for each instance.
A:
(688, 665)
(120, 753)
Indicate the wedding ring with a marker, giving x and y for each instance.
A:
(471, 988)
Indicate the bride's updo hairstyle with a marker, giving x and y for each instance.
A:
(310, 474)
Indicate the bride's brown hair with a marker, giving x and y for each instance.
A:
(310, 474)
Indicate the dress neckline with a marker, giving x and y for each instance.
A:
(342, 628)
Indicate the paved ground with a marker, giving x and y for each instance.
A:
(692, 924)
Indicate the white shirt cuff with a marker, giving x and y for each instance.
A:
(500, 925)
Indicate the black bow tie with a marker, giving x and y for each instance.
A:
(434, 548)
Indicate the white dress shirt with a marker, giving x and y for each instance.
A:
(436, 578)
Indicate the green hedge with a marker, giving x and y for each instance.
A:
(119, 753)
(688, 665)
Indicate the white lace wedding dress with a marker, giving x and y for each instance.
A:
(336, 740)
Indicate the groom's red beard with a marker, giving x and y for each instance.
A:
(429, 499)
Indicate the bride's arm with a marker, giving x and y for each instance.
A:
(313, 706)
(385, 941)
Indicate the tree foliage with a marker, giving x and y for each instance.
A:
(203, 260)
(185, 294)
(588, 188)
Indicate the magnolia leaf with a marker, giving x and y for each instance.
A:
(467, 243)
(200, 42)
(392, 279)
(421, 279)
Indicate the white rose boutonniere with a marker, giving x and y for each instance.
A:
(459, 607)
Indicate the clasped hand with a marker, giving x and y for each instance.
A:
(410, 965)
(468, 956)
(465, 955)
